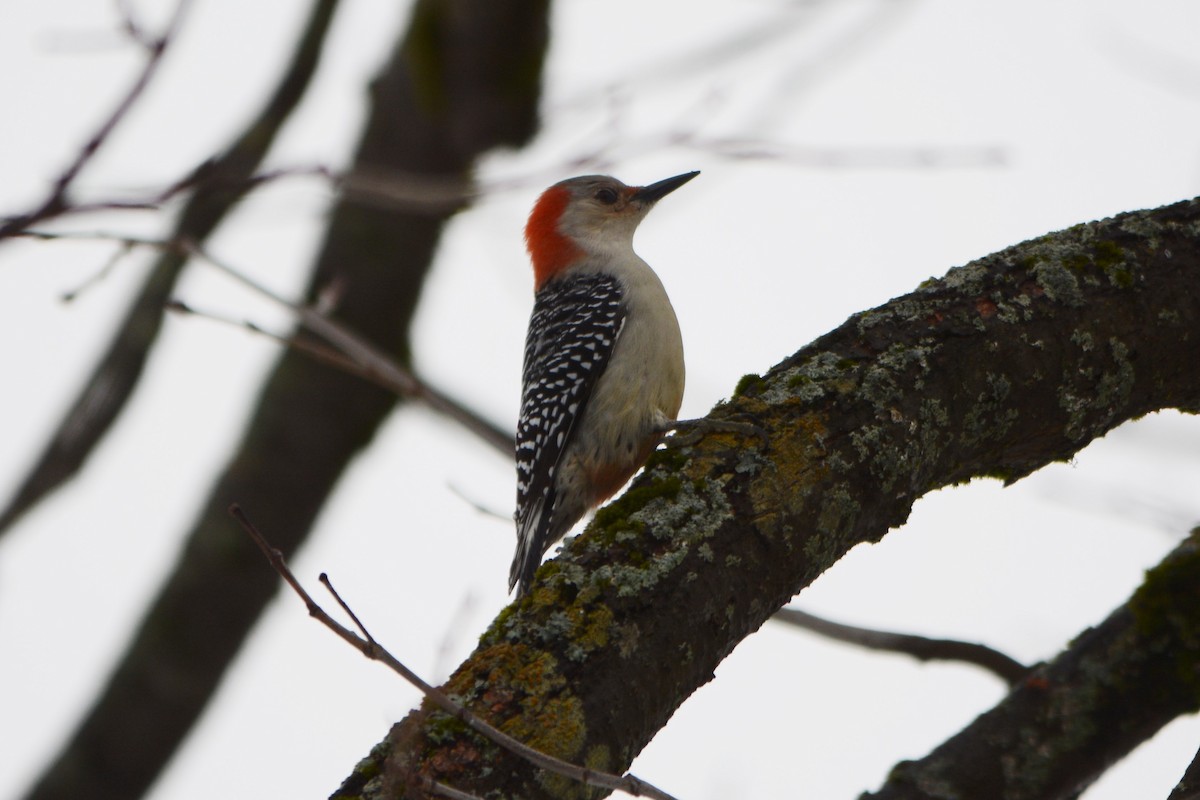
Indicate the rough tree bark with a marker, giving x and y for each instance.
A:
(464, 79)
(1007, 364)
(1188, 787)
(1069, 721)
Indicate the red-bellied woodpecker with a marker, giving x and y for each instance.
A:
(603, 376)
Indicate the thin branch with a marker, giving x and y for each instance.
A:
(835, 157)
(440, 789)
(309, 347)
(919, 647)
(206, 177)
(328, 584)
(119, 369)
(357, 356)
(57, 201)
(128, 240)
(413, 192)
(491, 513)
(155, 48)
(371, 360)
(131, 28)
(123, 249)
(627, 783)
(453, 633)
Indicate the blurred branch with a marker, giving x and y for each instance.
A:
(416, 190)
(919, 647)
(464, 78)
(817, 66)
(405, 191)
(132, 28)
(411, 193)
(318, 351)
(124, 248)
(208, 177)
(370, 362)
(370, 648)
(354, 355)
(120, 368)
(346, 350)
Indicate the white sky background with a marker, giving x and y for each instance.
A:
(1095, 108)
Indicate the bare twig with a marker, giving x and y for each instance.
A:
(410, 191)
(57, 202)
(919, 647)
(328, 584)
(627, 783)
(131, 28)
(310, 347)
(209, 178)
(371, 360)
(119, 369)
(453, 633)
(126, 240)
(440, 789)
(353, 354)
(123, 249)
(478, 506)
(436, 194)
(155, 48)
(841, 157)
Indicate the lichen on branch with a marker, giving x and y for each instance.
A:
(1002, 366)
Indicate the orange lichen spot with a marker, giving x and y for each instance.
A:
(550, 251)
(985, 307)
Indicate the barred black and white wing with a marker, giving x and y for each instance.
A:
(572, 333)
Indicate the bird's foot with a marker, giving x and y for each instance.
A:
(690, 431)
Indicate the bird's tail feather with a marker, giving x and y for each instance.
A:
(531, 533)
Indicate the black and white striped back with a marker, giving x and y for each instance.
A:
(574, 327)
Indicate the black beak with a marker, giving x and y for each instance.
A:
(660, 189)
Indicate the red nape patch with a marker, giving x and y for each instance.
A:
(549, 250)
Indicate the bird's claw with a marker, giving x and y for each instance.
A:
(690, 431)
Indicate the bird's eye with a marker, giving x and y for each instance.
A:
(606, 196)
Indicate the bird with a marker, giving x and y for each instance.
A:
(603, 372)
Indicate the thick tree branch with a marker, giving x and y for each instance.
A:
(369, 647)
(1071, 719)
(1007, 364)
(1188, 787)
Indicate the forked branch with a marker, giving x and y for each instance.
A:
(370, 648)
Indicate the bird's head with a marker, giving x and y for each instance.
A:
(592, 215)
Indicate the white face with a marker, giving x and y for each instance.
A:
(603, 214)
